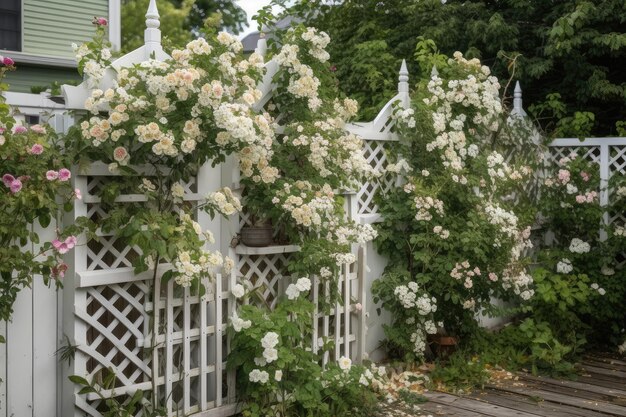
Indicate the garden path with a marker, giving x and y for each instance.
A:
(600, 390)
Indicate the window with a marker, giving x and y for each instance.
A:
(11, 25)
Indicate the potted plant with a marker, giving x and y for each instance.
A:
(258, 233)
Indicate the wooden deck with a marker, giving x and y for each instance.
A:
(599, 391)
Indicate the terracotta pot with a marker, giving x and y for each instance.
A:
(444, 345)
(257, 236)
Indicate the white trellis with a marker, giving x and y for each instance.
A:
(160, 338)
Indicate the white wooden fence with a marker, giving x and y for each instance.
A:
(105, 310)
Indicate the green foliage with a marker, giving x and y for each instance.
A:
(574, 48)
(29, 198)
(181, 20)
(112, 406)
(295, 383)
(459, 254)
(461, 371)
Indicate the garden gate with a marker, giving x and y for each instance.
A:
(160, 338)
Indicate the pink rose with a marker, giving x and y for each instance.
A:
(585, 176)
(52, 175)
(15, 186)
(64, 247)
(19, 129)
(64, 174)
(59, 270)
(38, 129)
(358, 306)
(120, 154)
(100, 21)
(591, 196)
(7, 179)
(564, 176)
(580, 199)
(493, 277)
(78, 194)
(36, 149)
(71, 241)
(8, 61)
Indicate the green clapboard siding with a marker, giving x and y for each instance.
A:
(50, 26)
(25, 77)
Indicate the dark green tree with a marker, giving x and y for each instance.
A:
(569, 55)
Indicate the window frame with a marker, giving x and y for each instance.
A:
(21, 30)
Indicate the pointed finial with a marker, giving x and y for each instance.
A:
(261, 46)
(152, 16)
(403, 78)
(434, 72)
(517, 100)
(152, 34)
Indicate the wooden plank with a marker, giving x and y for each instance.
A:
(606, 363)
(315, 282)
(186, 352)
(602, 371)
(346, 312)
(203, 348)
(576, 385)
(362, 325)
(20, 356)
(446, 410)
(522, 403)
(154, 333)
(231, 380)
(606, 357)
(337, 329)
(169, 348)
(326, 322)
(44, 348)
(600, 406)
(476, 406)
(573, 392)
(601, 380)
(3, 370)
(219, 360)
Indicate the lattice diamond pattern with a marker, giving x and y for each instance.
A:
(375, 153)
(115, 320)
(265, 272)
(590, 153)
(108, 253)
(617, 160)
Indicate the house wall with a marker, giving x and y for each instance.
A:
(50, 26)
(25, 77)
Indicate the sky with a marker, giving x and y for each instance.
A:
(251, 7)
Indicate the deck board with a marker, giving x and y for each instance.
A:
(599, 391)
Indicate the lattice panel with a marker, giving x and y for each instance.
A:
(617, 160)
(590, 153)
(116, 324)
(266, 272)
(107, 252)
(375, 151)
(189, 359)
(339, 328)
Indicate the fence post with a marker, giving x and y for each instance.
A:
(604, 184)
(74, 299)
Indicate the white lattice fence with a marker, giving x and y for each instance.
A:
(114, 314)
